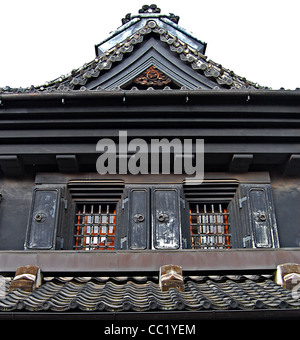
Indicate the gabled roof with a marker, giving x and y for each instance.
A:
(146, 42)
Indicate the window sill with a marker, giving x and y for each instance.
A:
(139, 262)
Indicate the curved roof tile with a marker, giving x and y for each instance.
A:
(113, 294)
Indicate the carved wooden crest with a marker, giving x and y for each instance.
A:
(152, 77)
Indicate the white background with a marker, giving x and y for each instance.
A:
(42, 40)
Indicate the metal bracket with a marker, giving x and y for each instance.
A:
(125, 200)
(245, 240)
(241, 200)
(123, 239)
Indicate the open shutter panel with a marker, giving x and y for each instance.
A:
(138, 232)
(258, 222)
(43, 219)
(166, 218)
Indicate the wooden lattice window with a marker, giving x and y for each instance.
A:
(210, 206)
(95, 227)
(94, 221)
(209, 226)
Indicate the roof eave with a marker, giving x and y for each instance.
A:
(247, 95)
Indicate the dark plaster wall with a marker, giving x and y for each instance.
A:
(14, 211)
(286, 195)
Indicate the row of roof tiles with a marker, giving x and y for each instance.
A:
(142, 294)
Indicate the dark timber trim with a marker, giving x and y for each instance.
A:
(139, 262)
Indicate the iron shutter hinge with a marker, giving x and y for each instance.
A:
(245, 240)
(125, 200)
(241, 200)
(123, 240)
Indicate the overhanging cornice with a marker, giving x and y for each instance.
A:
(258, 128)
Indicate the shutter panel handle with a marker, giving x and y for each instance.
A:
(139, 218)
(40, 217)
(162, 217)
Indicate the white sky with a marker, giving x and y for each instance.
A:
(42, 40)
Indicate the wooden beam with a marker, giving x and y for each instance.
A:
(139, 262)
(11, 166)
(292, 166)
(67, 163)
(240, 162)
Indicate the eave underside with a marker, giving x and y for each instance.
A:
(263, 125)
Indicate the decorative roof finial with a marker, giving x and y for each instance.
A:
(149, 9)
(146, 9)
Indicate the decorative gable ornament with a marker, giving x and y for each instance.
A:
(152, 77)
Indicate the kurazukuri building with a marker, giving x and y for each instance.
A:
(93, 222)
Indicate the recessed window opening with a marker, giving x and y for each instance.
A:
(210, 204)
(95, 226)
(94, 221)
(209, 226)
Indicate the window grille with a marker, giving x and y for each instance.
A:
(209, 226)
(209, 215)
(95, 227)
(94, 223)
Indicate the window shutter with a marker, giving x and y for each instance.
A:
(257, 217)
(153, 217)
(43, 218)
(138, 233)
(166, 221)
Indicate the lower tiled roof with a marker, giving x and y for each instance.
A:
(143, 294)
